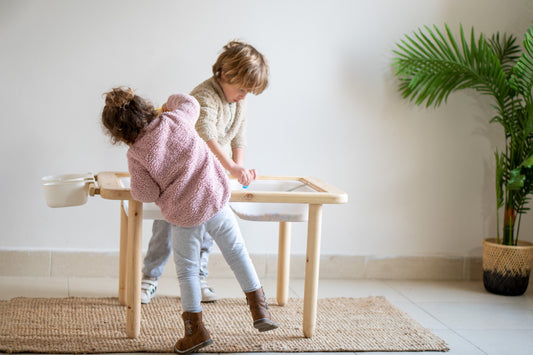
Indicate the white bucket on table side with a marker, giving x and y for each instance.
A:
(66, 190)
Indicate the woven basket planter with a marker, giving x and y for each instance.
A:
(506, 268)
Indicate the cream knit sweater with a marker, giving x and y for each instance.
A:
(219, 119)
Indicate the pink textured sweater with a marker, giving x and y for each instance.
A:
(170, 164)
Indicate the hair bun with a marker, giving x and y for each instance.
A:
(234, 44)
(119, 97)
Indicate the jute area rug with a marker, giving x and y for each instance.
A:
(97, 325)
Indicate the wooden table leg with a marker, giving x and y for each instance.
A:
(284, 262)
(122, 255)
(133, 275)
(312, 264)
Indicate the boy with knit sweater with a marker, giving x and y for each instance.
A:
(172, 166)
(239, 70)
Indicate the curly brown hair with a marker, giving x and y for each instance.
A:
(243, 66)
(125, 115)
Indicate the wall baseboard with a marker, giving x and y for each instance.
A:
(105, 264)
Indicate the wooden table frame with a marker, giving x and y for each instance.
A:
(130, 259)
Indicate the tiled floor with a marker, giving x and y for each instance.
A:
(468, 318)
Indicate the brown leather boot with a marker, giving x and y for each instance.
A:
(263, 320)
(196, 336)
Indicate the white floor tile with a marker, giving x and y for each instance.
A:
(349, 288)
(452, 291)
(498, 342)
(479, 316)
(18, 286)
(93, 287)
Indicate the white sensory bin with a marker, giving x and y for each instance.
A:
(257, 211)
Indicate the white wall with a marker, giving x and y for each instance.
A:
(419, 181)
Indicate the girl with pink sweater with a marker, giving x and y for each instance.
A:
(172, 166)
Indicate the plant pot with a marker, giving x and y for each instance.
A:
(506, 268)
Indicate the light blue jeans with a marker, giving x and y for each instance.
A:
(186, 243)
(160, 248)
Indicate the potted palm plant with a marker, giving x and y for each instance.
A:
(430, 65)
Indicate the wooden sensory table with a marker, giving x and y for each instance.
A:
(317, 193)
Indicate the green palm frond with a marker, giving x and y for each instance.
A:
(522, 77)
(507, 51)
(432, 65)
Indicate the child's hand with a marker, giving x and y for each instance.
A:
(244, 176)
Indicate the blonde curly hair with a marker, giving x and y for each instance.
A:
(243, 66)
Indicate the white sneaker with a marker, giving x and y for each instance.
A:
(148, 288)
(208, 294)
